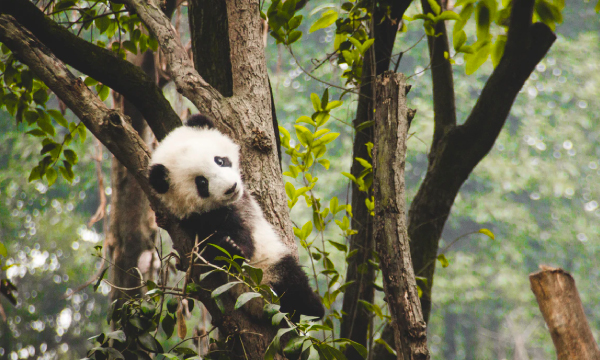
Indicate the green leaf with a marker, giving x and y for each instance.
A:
(483, 20)
(71, 156)
(99, 281)
(118, 335)
(597, 8)
(435, 7)
(448, 15)
(223, 288)
(58, 117)
(364, 163)
(172, 305)
(443, 261)
(333, 104)
(275, 345)
(244, 298)
(290, 190)
(294, 36)
(358, 347)
(168, 325)
(488, 233)
(82, 131)
(51, 175)
(44, 123)
(276, 319)
(48, 147)
(326, 139)
(102, 23)
(316, 102)
(89, 81)
(387, 346)
(364, 125)
(36, 132)
(339, 246)
(326, 19)
(130, 46)
(103, 92)
(325, 163)
(459, 39)
(3, 251)
(305, 119)
(149, 343)
(498, 49)
(475, 60)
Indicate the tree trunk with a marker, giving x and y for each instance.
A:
(561, 306)
(389, 228)
(132, 226)
(355, 321)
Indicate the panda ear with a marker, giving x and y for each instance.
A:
(159, 178)
(200, 121)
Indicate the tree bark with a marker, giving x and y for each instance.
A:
(562, 309)
(355, 320)
(389, 229)
(132, 227)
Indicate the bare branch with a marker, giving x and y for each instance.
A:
(561, 306)
(180, 66)
(444, 103)
(99, 63)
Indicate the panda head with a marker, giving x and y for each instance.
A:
(195, 169)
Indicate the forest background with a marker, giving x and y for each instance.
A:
(537, 191)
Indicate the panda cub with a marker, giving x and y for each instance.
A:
(195, 170)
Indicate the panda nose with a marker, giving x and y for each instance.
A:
(231, 190)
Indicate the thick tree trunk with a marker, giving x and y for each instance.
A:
(561, 306)
(132, 226)
(389, 229)
(356, 321)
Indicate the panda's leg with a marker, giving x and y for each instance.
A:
(297, 297)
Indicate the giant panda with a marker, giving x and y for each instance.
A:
(195, 170)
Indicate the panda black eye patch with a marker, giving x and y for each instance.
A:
(202, 186)
(222, 161)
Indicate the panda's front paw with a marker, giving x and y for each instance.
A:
(235, 247)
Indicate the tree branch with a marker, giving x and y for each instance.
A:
(99, 63)
(180, 67)
(461, 148)
(444, 104)
(559, 302)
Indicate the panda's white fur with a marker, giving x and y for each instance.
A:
(190, 152)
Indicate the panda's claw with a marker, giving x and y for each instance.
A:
(234, 246)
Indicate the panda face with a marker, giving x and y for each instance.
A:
(196, 170)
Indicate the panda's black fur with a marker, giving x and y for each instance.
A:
(182, 172)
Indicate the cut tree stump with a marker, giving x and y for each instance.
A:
(561, 306)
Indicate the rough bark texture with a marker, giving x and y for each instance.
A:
(356, 321)
(112, 129)
(210, 43)
(561, 306)
(389, 230)
(99, 63)
(132, 226)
